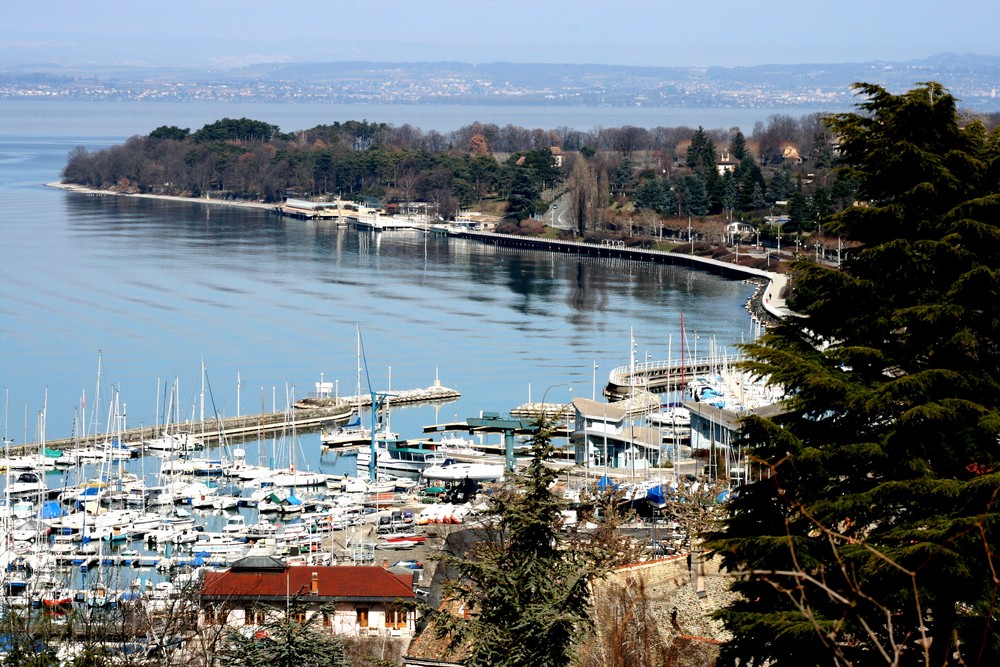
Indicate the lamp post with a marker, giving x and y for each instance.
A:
(593, 392)
(570, 416)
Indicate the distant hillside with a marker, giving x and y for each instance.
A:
(974, 79)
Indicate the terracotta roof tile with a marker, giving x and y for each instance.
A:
(332, 581)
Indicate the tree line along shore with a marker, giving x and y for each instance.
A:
(654, 187)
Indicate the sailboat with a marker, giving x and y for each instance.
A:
(171, 439)
(353, 432)
(293, 477)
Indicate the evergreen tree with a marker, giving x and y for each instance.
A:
(170, 132)
(524, 198)
(749, 179)
(873, 538)
(285, 642)
(651, 195)
(624, 181)
(799, 211)
(738, 147)
(696, 152)
(781, 186)
(524, 588)
(692, 195)
(822, 204)
(730, 192)
(757, 200)
(715, 188)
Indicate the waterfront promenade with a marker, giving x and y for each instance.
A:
(772, 299)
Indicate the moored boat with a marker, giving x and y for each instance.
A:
(451, 470)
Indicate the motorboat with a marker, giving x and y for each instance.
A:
(402, 457)
(451, 470)
(27, 483)
(235, 524)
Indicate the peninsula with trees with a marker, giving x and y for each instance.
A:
(650, 187)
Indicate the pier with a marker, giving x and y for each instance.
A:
(309, 414)
(661, 376)
(772, 299)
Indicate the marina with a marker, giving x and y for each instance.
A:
(267, 303)
(310, 414)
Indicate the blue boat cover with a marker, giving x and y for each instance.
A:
(51, 509)
(655, 495)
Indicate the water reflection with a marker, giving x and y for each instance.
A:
(267, 301)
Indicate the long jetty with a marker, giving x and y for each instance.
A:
(309, 414)
(660, 376)
(772, 299)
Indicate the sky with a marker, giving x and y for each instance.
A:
(222, 33)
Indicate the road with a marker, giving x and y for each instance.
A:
(558, 215)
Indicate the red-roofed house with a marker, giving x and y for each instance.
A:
(355, 600)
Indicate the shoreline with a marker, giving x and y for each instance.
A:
(236, 203)
(766, 305)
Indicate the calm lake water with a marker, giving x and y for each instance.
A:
(272, 305)
(75, 118)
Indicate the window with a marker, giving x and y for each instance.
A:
(327, 619)
(300, 617)
(248, 616)
(395, 617)
(362, 613)
(261, 617)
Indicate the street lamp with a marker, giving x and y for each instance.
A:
(570, 416)
(593, 392)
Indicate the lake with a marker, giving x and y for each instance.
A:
(272, 305)
(79, 118)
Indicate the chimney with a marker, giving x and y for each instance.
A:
(385, 563)
(314, 590)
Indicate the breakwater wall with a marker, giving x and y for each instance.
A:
(725, 269)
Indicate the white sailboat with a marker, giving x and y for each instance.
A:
(171, 439)
(354, 432)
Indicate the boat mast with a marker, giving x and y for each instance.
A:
(97, 396)
(358, 393)
(681, 385)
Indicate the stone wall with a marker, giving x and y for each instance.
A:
(683, 600)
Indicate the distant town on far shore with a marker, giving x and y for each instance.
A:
(973, 79)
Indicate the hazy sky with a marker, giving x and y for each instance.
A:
(638, 32)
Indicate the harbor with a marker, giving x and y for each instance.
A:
(309, 414)
(267, 302)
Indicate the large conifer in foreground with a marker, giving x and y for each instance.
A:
(525, 587)
(873, 540)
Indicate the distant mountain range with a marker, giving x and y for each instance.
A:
(974, 79)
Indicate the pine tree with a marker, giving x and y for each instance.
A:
(694, 198)
(696, 151)
(873, 539)
(624, 181)
(285, 642)
(651, 195)
(524, 588)
(738, 147)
